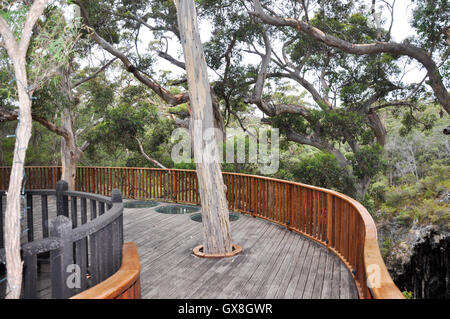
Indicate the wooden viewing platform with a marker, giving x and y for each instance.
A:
(299, 241)
(275, 262)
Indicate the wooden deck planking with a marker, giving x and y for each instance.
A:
(186, 270)
(262, 247)
(209, 271)
(335, 283)
(221, 263)
(228, 274)
(209, 283)
(285, 280)
(275, 263)
(272, 268)
(265, 261)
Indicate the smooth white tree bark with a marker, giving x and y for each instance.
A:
(216, 224)
(17, 53)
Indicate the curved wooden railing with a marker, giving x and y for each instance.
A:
(334, 220)
(81, 229)
(124, 284)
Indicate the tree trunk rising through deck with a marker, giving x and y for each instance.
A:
(216, 224)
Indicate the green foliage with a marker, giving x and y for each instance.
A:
(417, 202)
(101, 16)
(49, 49)
(15, 17)
(43, 149)
(430, 18)
(377, 191)
(53, 46)
(182, 110)
(339, 125)
(367, 161)
(408, 294)
(322, 169)
(386, 246)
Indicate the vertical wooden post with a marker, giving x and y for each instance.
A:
(1, 221)
(30, 276)
(91, 180)
(30, 224)
(175, 182)
(134, 186)
(62, 202)
(329, 219)
(117, 239)
(291, 206)
(44, 208)
(61, 258)
(253, 188)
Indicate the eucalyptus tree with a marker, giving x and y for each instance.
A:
(347, 90)
(63, 102)
(430, 48)
(16, 28)
(216, 222)
(115, 27)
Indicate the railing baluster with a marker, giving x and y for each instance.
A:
(1, 220)
(93, 206)
(101, 208)
(30, 276)
(62, 203)
(44, 208)
(329, 236)
(81, 255)
(101, 250)
(29, 209)
(73, 211)
(62, 257)
(94, 258)
(109, 267)
(83, 210)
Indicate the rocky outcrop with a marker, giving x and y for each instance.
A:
(417, 257)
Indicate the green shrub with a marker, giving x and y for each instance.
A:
(394, 198)
(378, 191)
(408, 294)
(322, 169)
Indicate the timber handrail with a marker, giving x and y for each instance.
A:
(333, 219)
(94, 246)
(124, 284)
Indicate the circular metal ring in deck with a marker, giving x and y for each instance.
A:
(177, 209)
(198, 251)
(140, 204)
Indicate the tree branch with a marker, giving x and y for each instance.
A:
(315, 141)
(171, 59)
(94, 74)
(172, 99)
(9, 115)
(148, 157)
(34, 13)
(394, 48)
